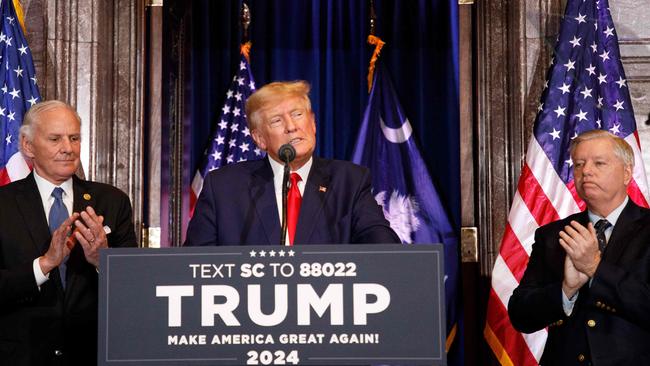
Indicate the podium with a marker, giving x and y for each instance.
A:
(272, 305)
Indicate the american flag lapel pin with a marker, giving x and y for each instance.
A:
(322, 189)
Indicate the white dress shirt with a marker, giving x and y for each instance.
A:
(45, 189)
(278, 174)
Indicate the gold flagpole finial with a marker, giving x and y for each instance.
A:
(245, 23)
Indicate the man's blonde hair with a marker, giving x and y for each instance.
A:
(32, 117)
(622, 149)
(275, 93)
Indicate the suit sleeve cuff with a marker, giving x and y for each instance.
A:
(38, 274)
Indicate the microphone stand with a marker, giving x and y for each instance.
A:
(285, 190)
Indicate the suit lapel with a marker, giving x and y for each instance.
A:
(83, 197)
(624, 232)
(316, 191)
(263, 197)
(30, 206)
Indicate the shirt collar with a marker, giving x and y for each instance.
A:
(612, 217)
(278, 169)
(45, 187)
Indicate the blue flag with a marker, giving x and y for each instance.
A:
(402, 185)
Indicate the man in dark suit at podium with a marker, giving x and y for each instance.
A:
(588, 278)
(48, 274)
(329, 201)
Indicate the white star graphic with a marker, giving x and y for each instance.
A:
(618, 105)
(34, 80)
(252, 253)
(560, 111)
(246, 132)
(600, 102)
(223, 125)
(219, 140)
(564, 88)
(609, 32)
(32, 101)
(8, 139)
(234, 127)
(252, 85)
(11, 20)
(575, 42)
(242, 65)
(236, 112)
(570, 162)
(601, 79)
(11, 116)
(4, 89)
(582, 116)
(581, 18)
(23, 50)
(598, 123)
(594, 47)
(226, 109)
(281, 253)
(3, 37)
(258, 152)
(586, 93)
(291, 253)
(570, 65)
(621, 82)
(2, 111)
(615, 130)
(232, 143)
(604, 55)
(575, 134)
(8, 41)
(240, 81)
(555, 134)
(262, 253)
(272, 253)
(229, 94)
(243, 147)
(14, 93)
(238, 96)
(540, 107)
(591, 69)
(230, 159)
(216, 155)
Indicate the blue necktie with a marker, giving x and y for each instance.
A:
(58, 214)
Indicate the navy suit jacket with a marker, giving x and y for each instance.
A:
(50, 326)
(237, 206)
(610, 322)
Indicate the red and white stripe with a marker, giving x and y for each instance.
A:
(16, 169)
(541, 197)
(195, 190)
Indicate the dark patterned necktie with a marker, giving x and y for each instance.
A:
(58, 214)
(600, 227)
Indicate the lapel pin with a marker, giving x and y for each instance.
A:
(87, 197)
(322, 189)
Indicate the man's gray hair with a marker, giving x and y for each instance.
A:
(622, 149)
(31, 118)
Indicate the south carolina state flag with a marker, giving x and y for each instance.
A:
(402, 185)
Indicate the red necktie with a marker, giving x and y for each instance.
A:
(293, 206)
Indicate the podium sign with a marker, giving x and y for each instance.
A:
(263, 305)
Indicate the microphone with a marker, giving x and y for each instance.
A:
(287, 153)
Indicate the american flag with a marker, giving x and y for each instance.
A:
(585, 89)
(232, 141)
(19, 92)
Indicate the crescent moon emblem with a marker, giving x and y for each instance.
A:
(396, 135)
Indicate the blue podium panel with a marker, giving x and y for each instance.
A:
(263, 305)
